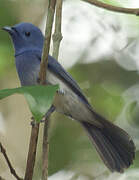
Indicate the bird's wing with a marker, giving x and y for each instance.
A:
(57, 69)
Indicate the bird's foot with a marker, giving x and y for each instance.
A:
(61, 91)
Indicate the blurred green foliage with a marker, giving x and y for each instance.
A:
(8, 17)
(70, 147)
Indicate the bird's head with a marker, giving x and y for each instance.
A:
(25, 37)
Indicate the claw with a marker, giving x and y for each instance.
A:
(61, 91)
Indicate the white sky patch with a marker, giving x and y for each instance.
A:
(91, 33)
(65, 175)
(128, 175)
(132, 3)
(128, 58)
(69, 175)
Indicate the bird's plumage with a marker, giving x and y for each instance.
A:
(113, 144)
(57, 69)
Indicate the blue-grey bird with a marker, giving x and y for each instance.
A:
(113, 144)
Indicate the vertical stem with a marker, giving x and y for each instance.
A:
(46, 47)
(32, 152)
(43, 67)
(57, 36)
(45, 153)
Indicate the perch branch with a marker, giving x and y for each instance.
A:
(133, 11)
(12, 170)
(43, 67)
(42, 77)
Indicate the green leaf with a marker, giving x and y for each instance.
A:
(39, 98)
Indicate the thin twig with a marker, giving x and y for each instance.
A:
(46, 47)
(12, 170)
(57, 36)
(43, 69)
(32, 151)
(133, 11)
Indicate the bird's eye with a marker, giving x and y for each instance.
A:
(27, 34)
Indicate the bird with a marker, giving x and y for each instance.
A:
(114, 145)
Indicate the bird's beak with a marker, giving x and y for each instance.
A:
(8, 29)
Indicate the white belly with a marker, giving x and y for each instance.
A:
(69, 103)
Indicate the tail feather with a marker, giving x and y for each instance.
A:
(113, 144)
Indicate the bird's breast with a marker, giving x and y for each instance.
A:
(28, 67)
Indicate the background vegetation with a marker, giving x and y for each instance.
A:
(100, 50)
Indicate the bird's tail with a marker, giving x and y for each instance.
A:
(113, 144)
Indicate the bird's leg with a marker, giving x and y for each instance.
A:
(49, 112)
